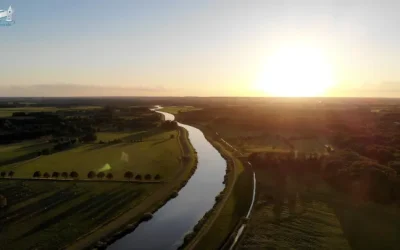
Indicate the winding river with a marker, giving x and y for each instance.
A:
(178, 216)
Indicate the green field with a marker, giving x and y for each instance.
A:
(157, 154)
(317, 217)
(176, 109)
(109, 136)
(5, 112)
(21, 151)
(47, 215)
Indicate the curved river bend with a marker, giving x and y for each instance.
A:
(178, 216)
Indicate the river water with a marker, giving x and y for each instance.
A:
(178, 216)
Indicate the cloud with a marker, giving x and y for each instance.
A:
(69, 89)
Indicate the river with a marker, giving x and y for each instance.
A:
(178, 216)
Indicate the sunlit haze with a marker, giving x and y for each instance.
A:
(201, 48)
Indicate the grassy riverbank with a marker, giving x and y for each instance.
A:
(232, 204)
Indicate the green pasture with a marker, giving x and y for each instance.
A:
(21, 151)
(109, 136)
(44, 215)
(157, 154)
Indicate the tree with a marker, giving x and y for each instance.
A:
(138, 177)
(157, 177)
(172, 136)
(55, 174)
(37, 174)
(64, 175)
(74, 174)
(91, 175)
(11, 174)
(147, 177)
(128, 175)
(3, 174)
(101, 175)
(110, 176)
(46, 175)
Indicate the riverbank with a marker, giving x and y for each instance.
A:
(214, 229)
(125, 223)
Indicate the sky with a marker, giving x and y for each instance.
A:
(192, 48)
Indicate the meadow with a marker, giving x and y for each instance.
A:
(316, 217)
(42, 215)
(15, 152)
(159, 153)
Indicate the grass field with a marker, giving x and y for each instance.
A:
(109, 136)
(5, 112)
(317, 218)
(157, 154)
(21, 151)
(47, 215)
(176, 109)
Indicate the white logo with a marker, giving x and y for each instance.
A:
(6, 16)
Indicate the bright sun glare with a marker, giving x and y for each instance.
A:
(296, 72)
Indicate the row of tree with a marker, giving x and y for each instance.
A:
(9, 174)
(91, 175)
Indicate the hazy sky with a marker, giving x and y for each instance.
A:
(203, 48)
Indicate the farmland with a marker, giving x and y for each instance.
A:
(319, 217)
(6, 112)
(47, 214)
(157, 154)
(76, 170)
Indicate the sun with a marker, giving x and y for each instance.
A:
(296, 72)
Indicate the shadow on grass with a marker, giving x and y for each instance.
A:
(19, 158)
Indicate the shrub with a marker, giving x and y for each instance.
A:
(74, 174)
(91, 175)
(3, 174)
(110, 176)
(138, 177)
(147, 177)
(37, 174)
(172, 136)
(157, 177)
(147, 216)
(173, 194)
(55, 174)
(128, 175)
(64, 175)
(46, 175)
(101, 175)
